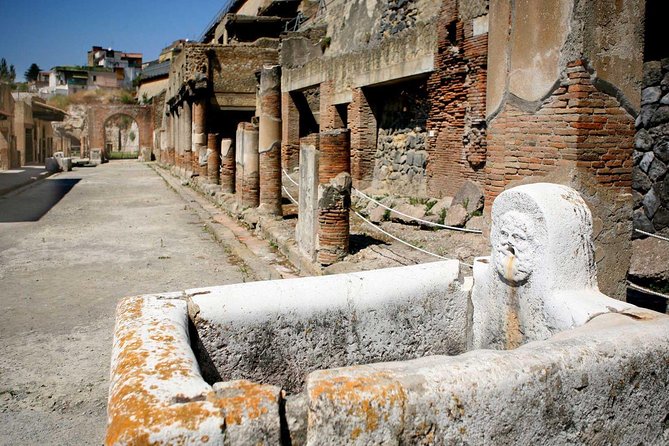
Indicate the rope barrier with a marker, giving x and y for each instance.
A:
(646, 290)
(291, 180)
(652, 235)
(404, 242)
(290, 197)
(474, 231)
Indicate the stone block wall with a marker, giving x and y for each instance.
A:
(402, 111)
(651, 154)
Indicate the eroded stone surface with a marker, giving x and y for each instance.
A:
(277, 332)
(601, 383)
(157, 395)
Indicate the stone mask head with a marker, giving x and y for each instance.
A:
(514, 247)
(541, 233)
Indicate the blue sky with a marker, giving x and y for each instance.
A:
(51, 33)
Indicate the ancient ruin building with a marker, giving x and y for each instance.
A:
(430, 95)
(36, 138)
(527, 350)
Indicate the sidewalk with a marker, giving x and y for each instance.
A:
(16, 178)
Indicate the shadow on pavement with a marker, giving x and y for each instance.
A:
(32, 204)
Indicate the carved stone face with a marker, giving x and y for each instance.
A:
(514, 247)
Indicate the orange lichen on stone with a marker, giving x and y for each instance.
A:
(245, 400)
(370, 398)
(136, 409)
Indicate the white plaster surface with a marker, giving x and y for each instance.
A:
(541, 276)
(307, 222)
(603, 383)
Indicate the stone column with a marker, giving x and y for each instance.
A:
(170, 147)
(213, 158)
(246, 154)
(188, 149)
(199, 138)
(227, 176)
(179, 149)
(269, 139)
(334, 196)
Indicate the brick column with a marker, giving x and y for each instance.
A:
(170, 147)
(334, 196)
(246, 172)
(269, 139)
(227, 177)
(328, 113)
(334, 201)
(213, 158)
(290, 132)
(178, 147)
(334, 154)
(363, 138)
(199, 138)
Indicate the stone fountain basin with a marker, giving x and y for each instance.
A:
(375, 357)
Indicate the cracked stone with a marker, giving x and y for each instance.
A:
(643, 141)
(646, 160)
(650, 203)
(650, 95)
(657, 170)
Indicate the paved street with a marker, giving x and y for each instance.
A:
(70, 247)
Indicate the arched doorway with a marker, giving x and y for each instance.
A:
(121, 137)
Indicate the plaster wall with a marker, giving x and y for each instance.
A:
(557, 110)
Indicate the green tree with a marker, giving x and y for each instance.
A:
(7, 73)
(32, 73)
(4, 70)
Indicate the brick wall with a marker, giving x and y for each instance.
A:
(457, 116)
(576, 127)
(99, 114)
(328, 113)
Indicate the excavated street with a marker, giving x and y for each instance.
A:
(70, 247)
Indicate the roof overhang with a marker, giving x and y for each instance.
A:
(47, 113)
